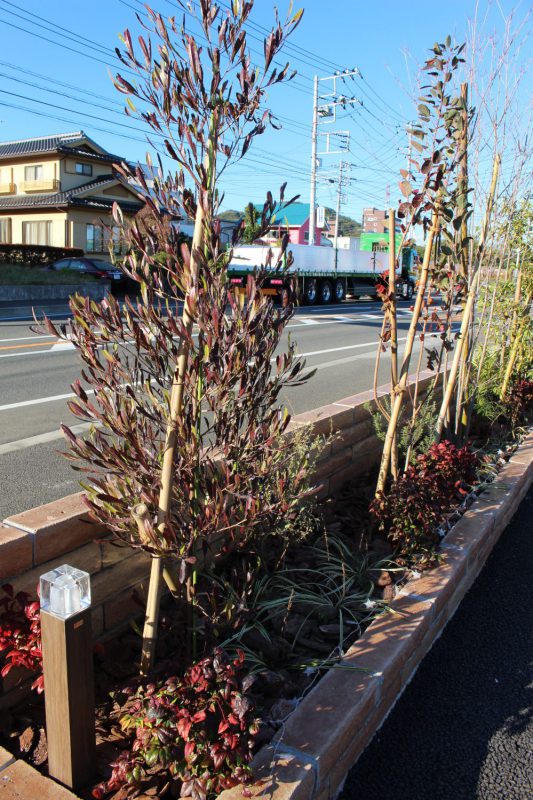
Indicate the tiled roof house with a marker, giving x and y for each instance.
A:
(59, 190)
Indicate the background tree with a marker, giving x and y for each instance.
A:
(251, 224)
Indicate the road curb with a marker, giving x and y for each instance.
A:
(328, 731)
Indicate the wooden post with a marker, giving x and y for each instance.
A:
(67, 646)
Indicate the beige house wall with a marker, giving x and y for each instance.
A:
(70, 178)
(57, 218)
(78, 221)
(14, 172)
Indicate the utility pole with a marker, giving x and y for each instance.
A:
(341, 182)
(328, 111)
(314, 139)
(339, 191)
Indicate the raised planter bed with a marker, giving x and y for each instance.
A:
(325, 735)
(329, 729)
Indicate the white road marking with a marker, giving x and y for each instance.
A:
(41, 438)
(26, 338)
(53, 398)
(39, 400)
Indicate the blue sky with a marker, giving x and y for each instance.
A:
(57, 77)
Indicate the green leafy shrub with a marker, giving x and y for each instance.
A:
(35, 254)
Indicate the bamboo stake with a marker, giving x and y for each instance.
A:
(469, 305)
(402, 382)
(167, 472)
(393, 330)
(514, 349)
(176, 407)
(461, 419)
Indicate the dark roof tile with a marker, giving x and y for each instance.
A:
(60, 142)
(71, 197)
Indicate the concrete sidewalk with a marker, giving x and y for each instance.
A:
(463, 728)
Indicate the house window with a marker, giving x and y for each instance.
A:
(5, 230)
(98, 239)
(95, 239)
(33, 173)
(37, 232)
(84, 169)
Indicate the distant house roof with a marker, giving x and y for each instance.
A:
(77, 197)
(57, 143)
(294, 216)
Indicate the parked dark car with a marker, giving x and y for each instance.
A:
(90, 266)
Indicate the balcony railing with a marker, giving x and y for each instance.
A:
(7, 188)
(49, 185)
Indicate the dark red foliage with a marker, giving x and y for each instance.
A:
(20, 634)
(519, 401)
(198, 730)
(419, 501)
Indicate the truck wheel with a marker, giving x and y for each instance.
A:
(340, 290)
(326, 292)
(310, 293)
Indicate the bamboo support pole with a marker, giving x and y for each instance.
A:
(411, 334)
(167, 472)
(468, 307)
(175, 410)
(393, 330)
(515, 344)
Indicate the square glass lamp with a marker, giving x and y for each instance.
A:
(65, 591)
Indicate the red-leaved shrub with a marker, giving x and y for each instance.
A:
(519, 401)
(197, 730)
(20, 634)
(419, 501)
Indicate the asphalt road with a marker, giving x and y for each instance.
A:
(36, 373)
(463, 728)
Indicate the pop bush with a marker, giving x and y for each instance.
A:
(197, 731)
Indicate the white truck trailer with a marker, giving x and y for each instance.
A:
(321, 275)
